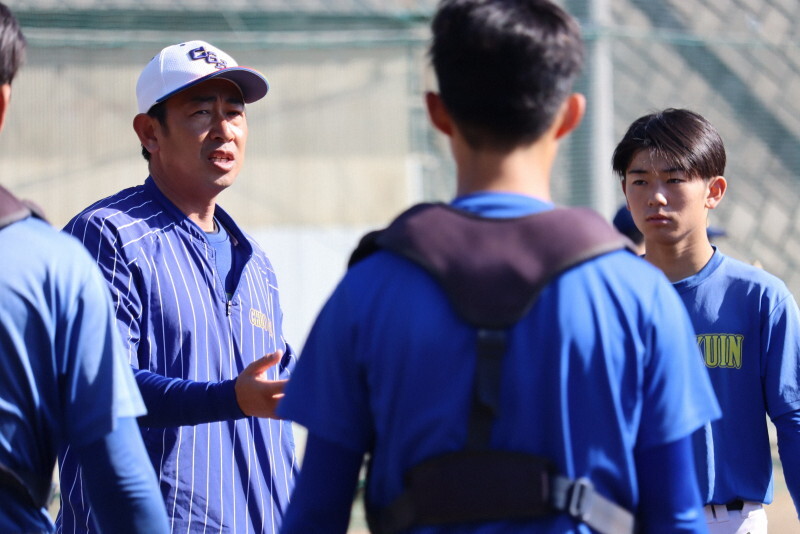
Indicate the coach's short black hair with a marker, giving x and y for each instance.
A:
(504, 67)
(685, 138)
(12, 45)
(159, 112)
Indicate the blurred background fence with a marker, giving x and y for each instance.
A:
(342, 143)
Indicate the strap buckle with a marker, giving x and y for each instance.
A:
(580, 499)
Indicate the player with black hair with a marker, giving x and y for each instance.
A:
(672, 164)
(466, 372)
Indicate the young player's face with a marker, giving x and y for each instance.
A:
(668, 206)
(202, 148)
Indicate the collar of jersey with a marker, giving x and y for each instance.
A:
(187, 224)
(500, 205)
(702, 275)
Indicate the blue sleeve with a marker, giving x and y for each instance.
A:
(788, 427)
(178, 402)
(678, 395)
(121, 483)
(323, 497)
(328, 398)
(669, 498)
(780, 357)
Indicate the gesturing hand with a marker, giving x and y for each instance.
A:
(256, 395)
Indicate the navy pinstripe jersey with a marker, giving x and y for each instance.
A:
(233, 475)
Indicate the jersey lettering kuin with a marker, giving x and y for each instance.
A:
(746, 323)
(721, 350)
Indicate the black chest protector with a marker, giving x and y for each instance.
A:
(492, 271)
(12, 210)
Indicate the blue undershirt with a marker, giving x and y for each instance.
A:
(227, 260)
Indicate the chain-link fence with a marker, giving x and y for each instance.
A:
(738, 63)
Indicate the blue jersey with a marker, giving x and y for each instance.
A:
(603, 363)
(231, 473)
(748, 331)
(64, 377)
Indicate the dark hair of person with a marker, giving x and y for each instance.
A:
(12, 46)
(159, 112)
(504, 67)
(684, 138)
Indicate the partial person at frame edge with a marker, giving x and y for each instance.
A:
(671, 164)
(64, 379)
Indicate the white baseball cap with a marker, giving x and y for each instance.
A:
(183, 65)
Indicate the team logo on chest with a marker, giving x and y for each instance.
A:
(721, 350)
(260, 320)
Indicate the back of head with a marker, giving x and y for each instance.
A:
(12, 45)
(504, 67)
(681, 136)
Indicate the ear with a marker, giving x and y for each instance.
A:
(5, 99)
(572, 111)
(716, 190)
(145, 127)
(440, 117)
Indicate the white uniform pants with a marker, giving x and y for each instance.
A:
(751, 519)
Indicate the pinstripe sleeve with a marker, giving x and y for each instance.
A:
(101, 240)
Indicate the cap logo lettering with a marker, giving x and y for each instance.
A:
(210, 57)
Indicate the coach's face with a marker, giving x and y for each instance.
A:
(201, 149)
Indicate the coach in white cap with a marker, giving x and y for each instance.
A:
(197, 304)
